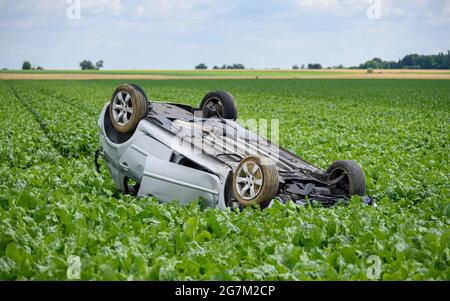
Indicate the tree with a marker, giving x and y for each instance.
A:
(99, 64)
(375, 63)
(39, 68)
(215, 68)
(411, 61)
(314, 66)
(201, 66)
(26, 65)
(87, 65)
(234, 66)
(303, 66)
(295, 67)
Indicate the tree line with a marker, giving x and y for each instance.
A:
(28, 66)
(411, 61)
(88, 65)
(84, 65)
(203, 66)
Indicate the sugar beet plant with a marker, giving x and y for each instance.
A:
(53, 204)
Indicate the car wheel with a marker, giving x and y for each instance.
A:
(346, 178)
(127, 107)
(146, 100)
(255, 181)
(219, 104)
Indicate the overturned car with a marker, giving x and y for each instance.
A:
(177, 152)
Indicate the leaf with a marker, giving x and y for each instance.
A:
(190, 227)
(204, 236)
(16, 253)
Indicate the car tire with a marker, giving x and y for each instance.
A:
(145, 100)
(255, 181)
(353, 180)
(219, 104)
(127, 107)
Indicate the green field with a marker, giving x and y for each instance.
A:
(227, 73)
(53, 204)
(189, 73)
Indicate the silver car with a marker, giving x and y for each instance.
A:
(177, 152)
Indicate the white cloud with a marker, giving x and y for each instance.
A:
(389, 8)
(317, 3)
(116, 6)
(101, 6)
(176, 16)
(185, 8)
(334, 7)
(446, 10)
(140, 10)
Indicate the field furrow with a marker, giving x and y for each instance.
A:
(71, 129)
(23, 143)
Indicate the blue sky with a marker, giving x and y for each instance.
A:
(178, 34)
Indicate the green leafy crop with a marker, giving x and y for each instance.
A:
(54, 205)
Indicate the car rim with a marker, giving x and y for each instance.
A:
(122, 108)
(214, 107)
(249, 180)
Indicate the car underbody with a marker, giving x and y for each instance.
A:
(177, 152)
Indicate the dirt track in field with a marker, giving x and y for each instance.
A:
(385, 74)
